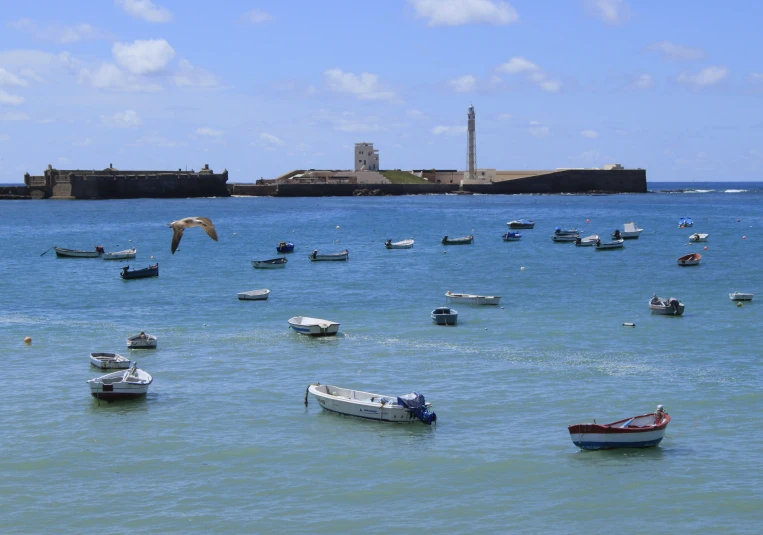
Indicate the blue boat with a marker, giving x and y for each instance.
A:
(512, 236)
(285, 247)
(685, 222)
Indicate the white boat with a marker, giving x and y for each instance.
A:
(129, 384)
(410, 408)
(666, 307)
(404, 244)
(333, 257)
(113, 361)
(740, 296)
(691, 259)
(642, 431)
(630, 232)
(121, 255)
(614, 244)
(445, 316)
(273, 263)
(254, 295)
(313, 326)
(565, 238)
(698, 236)
(141, 341)
(471, 299)
(588, 241)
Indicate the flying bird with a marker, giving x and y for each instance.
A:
(181, 224)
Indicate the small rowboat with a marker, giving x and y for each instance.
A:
(403, 244)
(445, 316)
(691, 259)
(113, 361)
(564, 238)
(313, 326)
(150, 271)
(129, 384)
(740, 296)
(334, 257)
(273, 263)
(254, 295)
(73, 253)
(410, 408)
(285, 247)
(512, 236)
(643, 431)
(521, 223)
(614, 244)
(588, 241)
(141, 341)
(666, 307)
(471, 299)
(463, 240)
(121, 255)
(698, 237)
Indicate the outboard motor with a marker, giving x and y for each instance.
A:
(674, 304)
(417, 406)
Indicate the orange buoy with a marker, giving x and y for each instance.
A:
(587, 220)
(28, 340)
(705, 247)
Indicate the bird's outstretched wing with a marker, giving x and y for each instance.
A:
(177, 233)
(208, 227)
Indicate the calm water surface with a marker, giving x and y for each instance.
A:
(224, 444)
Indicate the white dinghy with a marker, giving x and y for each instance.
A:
(254, 295)
(109, 361)
(313, 326)
(403, 244)
(472, 299)
(141, 341)
(129, 384)
(404, 409)
(120, 255)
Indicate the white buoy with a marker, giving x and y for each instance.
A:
(337, 226)
(522, 268)
(629, 324)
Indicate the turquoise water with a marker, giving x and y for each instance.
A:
(224, 444)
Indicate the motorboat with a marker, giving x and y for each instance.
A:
(113, 361)
(740, 296)
(698, 236)
(685, 222)
(642, 431)
(614, 244)
(333, 257)
(254, 295)
(445, 316)
(129, 384)
(141, 341)
(558, 231)
(313, 326)
(630, 232)
(403, 244)
(666, 307)
(521, 223)
(588, 241)
(462, 240)
(471, 299)
(73, 253)
(691, 259)
(409, 408)
(285, 247)
(512, 236)
(150, 271)
(121, 255)
(273, 263)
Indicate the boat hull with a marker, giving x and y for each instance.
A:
(121, 255)
(313, 326)
(70, 253)
(359, 404)
(144, 273)
(564, 238)
(285, 248)
(689, 259)
(611, 245)
(113, 386)
(469, 299)
(445, 316)
(404, 244)
(619, 435)
(135, 342)
(520, 224)
(464, 240)
(109, 361)
(738, 296)
(512, 236)
(254, 295)
(337, 257)
(275, 263)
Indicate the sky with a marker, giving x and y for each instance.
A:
(264, 87)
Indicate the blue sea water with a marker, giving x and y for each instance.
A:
(223, 443)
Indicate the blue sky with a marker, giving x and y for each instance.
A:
(264, 87)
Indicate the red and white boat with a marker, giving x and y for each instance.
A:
(641, 431)
(691, 259)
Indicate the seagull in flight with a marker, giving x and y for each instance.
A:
(181, 224)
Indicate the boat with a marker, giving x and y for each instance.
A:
(642, 431)
(471, 299)
(614, 244)
(254, 295)
(409, 408)
(121, 255)
(150, 271)
(685, 222)
(564, 238)
(113, 361)
(558, 231)
(403, 244)
(740, 296)
(512, 236)
(141, 341)
(666, 307)
(273, 263)
(334, 257)
(462, 240)
(691, 259)
(129, 384)
(588, 241)
(313, 326)
(630, 232)
(521, 223)
(285, 247)
(445, 316)
(698, 236)
(73, 253)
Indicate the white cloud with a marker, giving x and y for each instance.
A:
(10, 99)
(256, 16)
(270, 139)
(644, 81)
(552, 86)
(208, 132)
(449, 130)
(537, 129)
(589, 133)
(8, 78)
(143, 57)
(413, 113)
(109, 76)
(706, 77)
(58, 33)
(26, 72)
(122, 119)
(189, 75)
(516, 65)
(676, 52)
(608, 11)
(145, 9)
(364, 86)
(520, 65)
(460, 12)
(463, 84)
(14, 116)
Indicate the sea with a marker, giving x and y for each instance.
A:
(224, 443)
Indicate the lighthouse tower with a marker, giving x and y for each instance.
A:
(471, 145)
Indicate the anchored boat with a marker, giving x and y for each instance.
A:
(409, 408)
(643, 431)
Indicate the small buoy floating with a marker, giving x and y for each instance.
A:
(28, 339)
(337, 226)
(587, 220)
(705, 247)
(739, 304)
(744, 237)
(629, 324)
(522, 268)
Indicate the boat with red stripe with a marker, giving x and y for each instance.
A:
(643, 431)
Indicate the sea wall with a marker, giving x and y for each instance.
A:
(14, 192)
